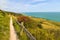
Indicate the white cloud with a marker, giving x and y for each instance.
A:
(21, 7)
(18, 7)
(3, 4)
(12, 6)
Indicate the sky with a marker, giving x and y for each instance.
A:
(30, 5)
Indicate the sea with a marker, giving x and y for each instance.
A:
(54, 16)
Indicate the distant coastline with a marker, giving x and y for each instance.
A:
(54, 16)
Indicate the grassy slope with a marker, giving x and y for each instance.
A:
(4, 26)
(45, 30)
(41, 29)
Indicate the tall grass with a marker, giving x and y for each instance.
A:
(4, 27)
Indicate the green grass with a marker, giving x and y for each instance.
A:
(4, 27)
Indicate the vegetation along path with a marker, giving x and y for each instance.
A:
(26, 31)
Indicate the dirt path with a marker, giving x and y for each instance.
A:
(13, 35)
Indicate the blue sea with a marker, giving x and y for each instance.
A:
(55, 16)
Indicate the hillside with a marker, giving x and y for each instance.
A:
(41, 29)
(4, 26)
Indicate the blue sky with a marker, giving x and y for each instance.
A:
(30, 5)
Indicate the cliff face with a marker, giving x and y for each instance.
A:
(41, 29)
